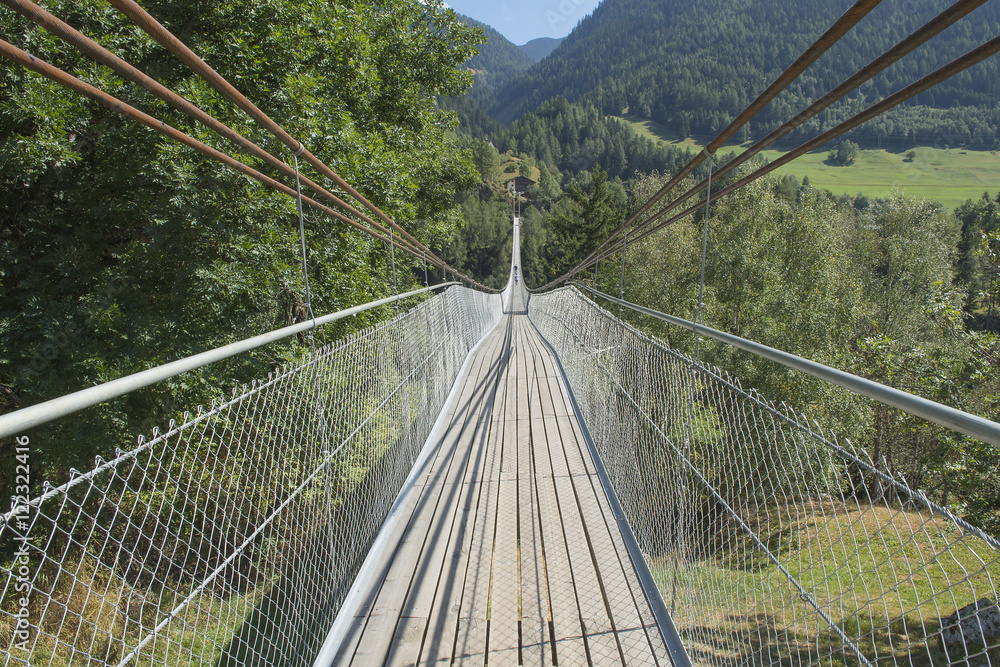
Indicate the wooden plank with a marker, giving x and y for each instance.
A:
(504, 591)
(431, 587)
(534, 592)
(504, 586)
(525, 361)
(598, 629)
(564, 611)
(619, 584)
(477, 369)
(470, 642)
(443, 613)
(346, 650)
(405, 647)
(440, 595)
(389, 572)
(643, 618)
(597, 624)
(638, 634)
(393, 593)
(470, 650)
(480, 370)
(559, 407)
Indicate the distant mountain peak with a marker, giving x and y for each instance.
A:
(498, 59)
(537, 49)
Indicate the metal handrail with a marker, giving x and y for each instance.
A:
(35, 415)
(956, 420)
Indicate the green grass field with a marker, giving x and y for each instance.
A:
(887, 577)
(949, 176)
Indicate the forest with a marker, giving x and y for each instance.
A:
(897, 290)
(695, 66)
(121, 250)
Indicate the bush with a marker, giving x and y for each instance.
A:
(847, 152)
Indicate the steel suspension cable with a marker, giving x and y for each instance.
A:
(970, 59)
(170, 42)
(53, 73)
(99, 54)
(958, 65)
(841, 27)
(932, 28)
(102, 56)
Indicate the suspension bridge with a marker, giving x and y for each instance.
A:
(505, 478)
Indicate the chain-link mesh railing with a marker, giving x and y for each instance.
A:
(233, 536)
(770, 541)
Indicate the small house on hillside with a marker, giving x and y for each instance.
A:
(519, 185)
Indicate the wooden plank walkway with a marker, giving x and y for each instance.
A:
(507, 552)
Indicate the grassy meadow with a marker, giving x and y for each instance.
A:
(886, 575)
(947, 175)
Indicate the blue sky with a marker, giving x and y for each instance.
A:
(521, 21)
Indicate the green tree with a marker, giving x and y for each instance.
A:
(847, 152)
(485, 156)
(598, 207)
(547, 191)
(977, 217)
(989, 252)
(121, 249)
(482, 248)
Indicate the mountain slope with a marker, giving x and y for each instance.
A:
(498, 59)
(537, 49)
(696, 65)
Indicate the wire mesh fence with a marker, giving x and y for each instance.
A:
(233, 536)
(771, 541)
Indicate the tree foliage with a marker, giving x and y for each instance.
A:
(120, 250)
(572, 138)
(847, 152)
(695, 66)
(482, 247)
(869, 291)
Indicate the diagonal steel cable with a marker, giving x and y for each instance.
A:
(43, 68)
(99, 54)
(958, 65)
(932, 28)
(170, 42)
(49, 71)
(841, 27)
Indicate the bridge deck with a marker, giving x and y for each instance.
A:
(507, 551)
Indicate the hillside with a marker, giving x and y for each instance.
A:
(696, 65)
(537, 49)
(497, 62)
